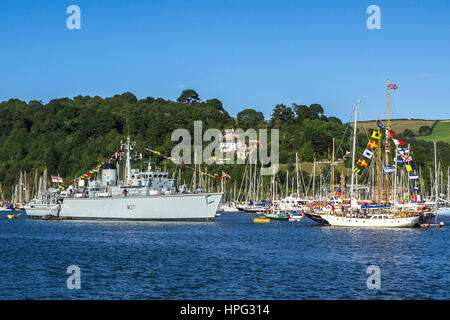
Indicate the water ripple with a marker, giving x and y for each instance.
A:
(231, 258)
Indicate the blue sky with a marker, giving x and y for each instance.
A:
(248, 54)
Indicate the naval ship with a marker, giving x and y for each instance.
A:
(139, 196)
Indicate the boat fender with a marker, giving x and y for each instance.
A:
(419, 209)
(130, 181)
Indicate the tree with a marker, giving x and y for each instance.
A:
(334, 119)
(51, 158)
(282, 113)
(408, 133)
(316, 111)
(313, 112)
(188, 96)
(301, 112)
(425, 130)
(249, 118)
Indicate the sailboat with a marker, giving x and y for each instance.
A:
(356, 215)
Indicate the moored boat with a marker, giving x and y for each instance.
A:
(138, 196)
(367, 215)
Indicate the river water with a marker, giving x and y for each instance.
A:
(231, 258)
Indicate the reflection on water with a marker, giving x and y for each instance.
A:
(231, 258)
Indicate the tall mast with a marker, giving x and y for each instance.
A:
(353, 158)
(387, 144)
(296, 172)
(436, 181)
(448, 183)
(314, 179)
(395, 178)
(332, 172)
(128, 161)
(287, 183)
(379, 165)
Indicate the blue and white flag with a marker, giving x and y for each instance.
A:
(368, 154)
(415, 188)
(381, 125)
(388, 169)
(414, 177)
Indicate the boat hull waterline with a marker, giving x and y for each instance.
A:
(339, 221)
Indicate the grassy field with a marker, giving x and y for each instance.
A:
(441, 132)
(398, 126)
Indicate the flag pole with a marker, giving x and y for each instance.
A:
(342, 185)
(387, 144)
(379, 164)
(332, 172)
(353, 158)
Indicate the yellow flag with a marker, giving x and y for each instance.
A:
(408, 167)
(376, 135)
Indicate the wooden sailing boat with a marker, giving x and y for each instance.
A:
(366, 215)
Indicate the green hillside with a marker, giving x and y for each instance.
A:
(440, 128)
(441, 132)
(400, 125)
(69, 136)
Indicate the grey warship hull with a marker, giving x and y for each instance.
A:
(179, 207)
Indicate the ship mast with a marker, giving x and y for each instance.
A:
(353, 159)
(332, 172)
(379, 165)
(436, 183)
(314, 180)
(386, 146)
(128, 161)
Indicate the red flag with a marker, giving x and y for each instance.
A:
(224, 175)
(372, 144)
(362, 162)
(392, 134)
(398, 142)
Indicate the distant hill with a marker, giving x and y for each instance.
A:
(440, 128)
(399, 125)
(441, 132)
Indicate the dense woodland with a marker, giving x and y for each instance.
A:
(70, 136)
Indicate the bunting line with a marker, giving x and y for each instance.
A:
(178, 162)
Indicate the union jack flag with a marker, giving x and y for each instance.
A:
(406, 158)
(393, 86)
